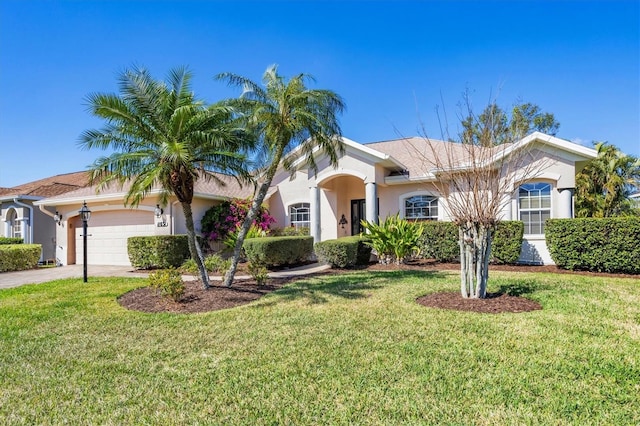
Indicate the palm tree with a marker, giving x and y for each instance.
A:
(162, 137)
(603, 187)
(285, 115)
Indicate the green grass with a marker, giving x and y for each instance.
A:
(346, 349)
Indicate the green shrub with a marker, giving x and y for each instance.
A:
(213, 263)
(289, 231)
(258, 272)
(158, 251)
(344, 252)
(254, 232)
(394, 239)
(277, 251)
(11, 240)
(440, 242)
(19, 257)
(601, 245)
(168, 282)
(507, 242)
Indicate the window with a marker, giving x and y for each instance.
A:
(15, 225)
(299, 215)
(534, 201)
(421, 207)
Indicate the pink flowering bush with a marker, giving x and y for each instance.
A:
(224, 219)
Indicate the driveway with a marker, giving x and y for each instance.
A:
(41, 275)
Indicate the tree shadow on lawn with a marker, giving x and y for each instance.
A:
(346, 284)
(519, 288)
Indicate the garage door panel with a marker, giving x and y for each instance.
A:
(107, 236)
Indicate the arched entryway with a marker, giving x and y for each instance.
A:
(343, 199)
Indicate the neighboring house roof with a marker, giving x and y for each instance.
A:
(204, 188)
(47, 187)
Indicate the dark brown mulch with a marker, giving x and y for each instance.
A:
(494, 303)
(243, 292)
(196, 299)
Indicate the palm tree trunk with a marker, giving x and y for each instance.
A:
(253, 211)
(194, 247)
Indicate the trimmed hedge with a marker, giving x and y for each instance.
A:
(11, 240)
(440, 242)
(599, 245)
(158, 251)
(507, 242)
(278, 251)
(344, 252)
(19, 257)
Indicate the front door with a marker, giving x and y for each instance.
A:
(358, 212)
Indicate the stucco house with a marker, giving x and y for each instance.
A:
(371, 180)
(21, 218)
(111, 223)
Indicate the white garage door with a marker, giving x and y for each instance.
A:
(107, 235)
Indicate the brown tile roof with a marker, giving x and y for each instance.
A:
(49, 187)
(420, 155)
(203, 187)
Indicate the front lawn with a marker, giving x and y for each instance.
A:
(353, 348)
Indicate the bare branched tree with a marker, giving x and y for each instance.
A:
(476, 179)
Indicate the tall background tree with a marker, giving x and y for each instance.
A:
(493, 126)
(476, 175)
(604, 186)
(163, 138)
(284, 115)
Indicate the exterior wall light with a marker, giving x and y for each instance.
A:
(159, 213)
(343, 221)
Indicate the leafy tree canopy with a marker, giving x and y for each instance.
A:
(494, 126)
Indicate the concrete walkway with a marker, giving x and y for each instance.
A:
(41, 275)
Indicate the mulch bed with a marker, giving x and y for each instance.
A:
(494, 303)
(196, 299)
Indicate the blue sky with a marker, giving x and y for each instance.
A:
(392, 62)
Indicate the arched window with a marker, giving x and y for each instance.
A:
(299, 215)
(421, 207)
(534, 202)
(15, 225)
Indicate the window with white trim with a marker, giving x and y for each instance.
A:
(534, 202)
(299, 215)
(421, 207)
(15, 225)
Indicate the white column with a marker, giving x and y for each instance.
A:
(565, 209)
(7, 228)
(371, 199)
(314, 204)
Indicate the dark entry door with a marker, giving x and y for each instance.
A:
(358, 209)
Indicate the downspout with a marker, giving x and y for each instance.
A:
(45, 211)
(15, 200)
(172, 207)
(55, 234)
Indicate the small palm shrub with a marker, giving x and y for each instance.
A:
(167, 282)
(394, 239)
